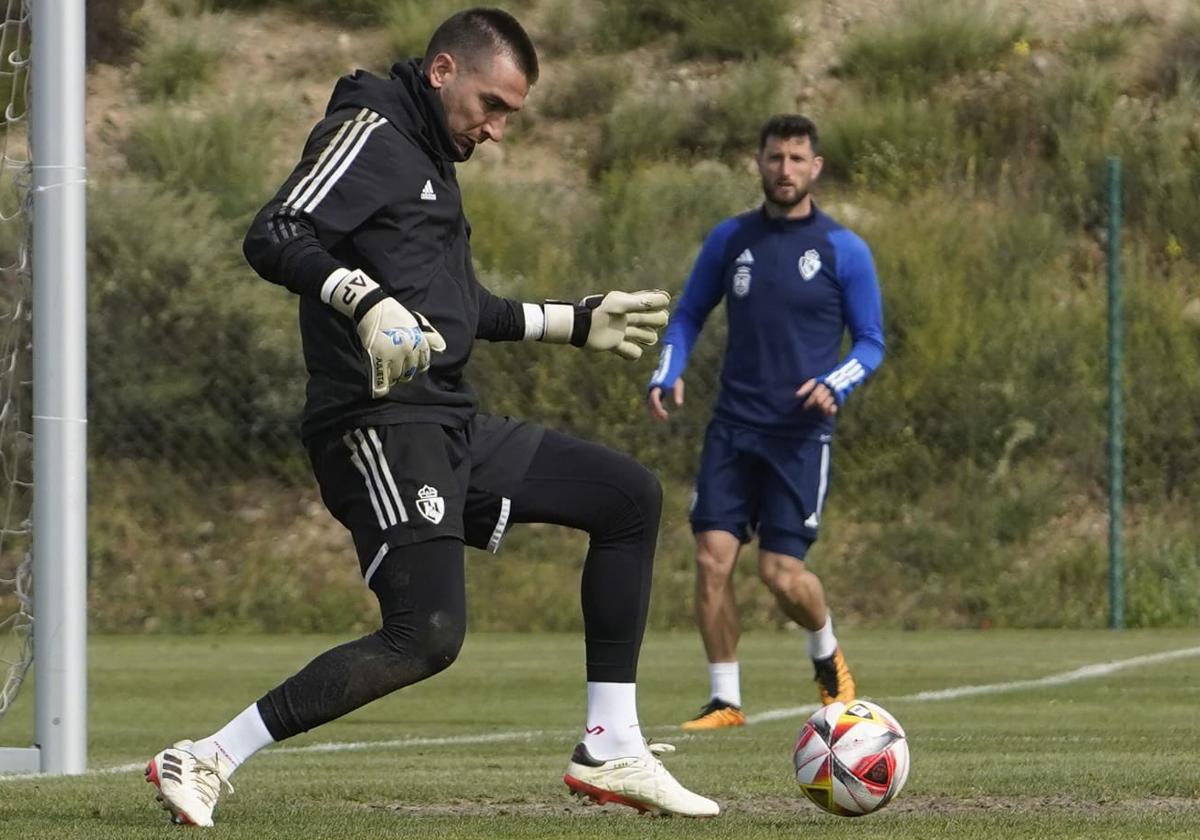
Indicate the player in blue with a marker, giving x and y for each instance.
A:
(793, 281)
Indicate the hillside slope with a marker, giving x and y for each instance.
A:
(966, 142)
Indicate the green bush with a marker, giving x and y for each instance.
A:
(969, 473)
(523, 233)
(981, 332)
(1159, 147)
(1162, 365)
(350, 12)
(731, 121)
(652, 219)
(626, 24)
(1102, 41)
(650, 126)
(173, 551)
(410, 23)
(894, 146)
(1057, 131)
(179, 57)
(194, 361)
(563, 28)
(927, 44)
(1048, 127)
(1177, 61)
(1162, 568)
(224, 152)
(699, 28)
(747, 29)
(587, 87)
(643, 232)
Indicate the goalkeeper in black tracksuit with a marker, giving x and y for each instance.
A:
(369, 232)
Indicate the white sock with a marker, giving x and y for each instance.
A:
(822, 643)
(613, 730)
(725, 678)
(241, 738)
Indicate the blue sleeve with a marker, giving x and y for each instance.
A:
(701, 293)
(863, 310)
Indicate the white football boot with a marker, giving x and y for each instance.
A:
(188, 786)
(641, 782)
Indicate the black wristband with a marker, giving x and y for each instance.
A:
(583, 319)
(369, 299)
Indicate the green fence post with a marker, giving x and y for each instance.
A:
(1116, 437)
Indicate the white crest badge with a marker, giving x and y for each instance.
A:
(430, 504)
(810, 264)
(741, 281)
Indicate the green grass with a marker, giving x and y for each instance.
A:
(698, 28)
(224, 153)
(928, 43)
(179, 57)
(1110, 756)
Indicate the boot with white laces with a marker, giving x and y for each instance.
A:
(188, 786)
(641, 782)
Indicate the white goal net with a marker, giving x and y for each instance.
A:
(16, 443)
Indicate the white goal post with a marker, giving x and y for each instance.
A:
(59, 418)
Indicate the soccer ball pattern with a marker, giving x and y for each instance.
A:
(851, 759)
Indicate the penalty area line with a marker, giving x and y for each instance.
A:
(1086, 672)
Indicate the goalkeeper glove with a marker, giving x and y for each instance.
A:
(623, 322)
(397, 342)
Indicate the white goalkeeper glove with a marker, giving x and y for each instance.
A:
(398, 342)
(623, 322)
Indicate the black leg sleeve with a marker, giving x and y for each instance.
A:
(618, 502)
(422, 598)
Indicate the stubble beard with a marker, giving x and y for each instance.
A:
(773, 197)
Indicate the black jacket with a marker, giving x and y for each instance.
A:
(376, 190)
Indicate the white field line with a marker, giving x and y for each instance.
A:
(1087, 672)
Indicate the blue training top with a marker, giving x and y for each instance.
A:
(792, 287)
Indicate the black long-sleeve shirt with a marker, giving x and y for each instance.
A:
(376, 190)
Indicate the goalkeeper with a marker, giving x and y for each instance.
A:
(793, 281)
(369, 233)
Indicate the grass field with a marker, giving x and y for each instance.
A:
(1039, 749)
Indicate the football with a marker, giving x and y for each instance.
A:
(851, 759)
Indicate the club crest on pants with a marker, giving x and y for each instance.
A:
(430, 504)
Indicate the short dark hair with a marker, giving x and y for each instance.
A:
(471, 34)
(787, 126)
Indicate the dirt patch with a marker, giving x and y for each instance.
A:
(797, 806)
(567, 807)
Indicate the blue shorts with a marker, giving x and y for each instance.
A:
(750, 482)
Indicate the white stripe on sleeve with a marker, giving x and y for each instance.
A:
(334, 160)
(329, 149)
(344, 164)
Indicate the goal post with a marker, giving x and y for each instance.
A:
(59, 421)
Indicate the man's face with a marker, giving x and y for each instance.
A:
(788, 167)
(478, 100)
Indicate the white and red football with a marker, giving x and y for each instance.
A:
(851, 758)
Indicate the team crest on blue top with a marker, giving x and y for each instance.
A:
(810, 264)
(741, 281)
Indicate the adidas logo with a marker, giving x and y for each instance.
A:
(745, 258)
(427, 193)
(812, 521)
